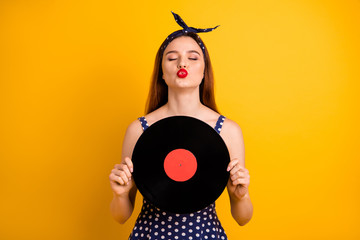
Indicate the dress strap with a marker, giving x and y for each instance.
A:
(144, 123)
(219, 124)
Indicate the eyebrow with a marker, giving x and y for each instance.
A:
(191, 51)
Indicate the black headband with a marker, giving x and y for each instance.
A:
(185, 30)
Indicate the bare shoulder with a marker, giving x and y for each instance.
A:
(134, 128)
(231, 129)
(234, 140)
(133, 132)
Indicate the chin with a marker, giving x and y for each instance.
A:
(186, 84)
(183, 83)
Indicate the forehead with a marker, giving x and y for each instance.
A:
(183, 43)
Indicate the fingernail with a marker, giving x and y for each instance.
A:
(131, 169)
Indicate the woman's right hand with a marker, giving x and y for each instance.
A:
(121, 180)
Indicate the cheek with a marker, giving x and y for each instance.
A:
(200, 68)
(164, 70)
(166, 67)
(165, 73)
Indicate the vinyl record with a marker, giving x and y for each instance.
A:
(180, 164)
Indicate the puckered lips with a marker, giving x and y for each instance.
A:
(182, 73)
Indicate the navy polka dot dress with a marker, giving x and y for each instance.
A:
(153, 223)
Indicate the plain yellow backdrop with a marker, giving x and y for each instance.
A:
(74, 74)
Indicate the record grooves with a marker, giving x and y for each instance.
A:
(180, 164)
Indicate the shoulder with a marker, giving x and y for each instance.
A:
(234, 140)
(132, 134)
(134, 130)
(231, 128)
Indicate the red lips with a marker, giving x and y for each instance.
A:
(182, 73)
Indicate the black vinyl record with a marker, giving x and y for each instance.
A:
(180, 164)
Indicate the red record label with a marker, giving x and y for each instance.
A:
(180, 165)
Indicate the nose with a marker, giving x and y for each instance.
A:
(182, 63)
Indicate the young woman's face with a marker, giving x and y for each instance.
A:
(183, 53)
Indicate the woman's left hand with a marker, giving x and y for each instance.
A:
(239, 180)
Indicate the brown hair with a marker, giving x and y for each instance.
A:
(158, 92)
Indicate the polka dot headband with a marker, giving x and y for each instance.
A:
(185, 30)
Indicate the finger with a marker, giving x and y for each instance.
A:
(237, 174)
(129, 163)
(120, 180)
(235, 169)
(239, 167)
(116, 171)
(232, 163)
(241, 181)
(117, 166)
(116, 179)
(124, 177)
(126, 169)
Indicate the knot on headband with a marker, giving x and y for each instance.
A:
(185, 30)
(185, 27)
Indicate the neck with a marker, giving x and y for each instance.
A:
(184, 102)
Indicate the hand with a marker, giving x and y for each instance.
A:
(121, 180)
(239, 180)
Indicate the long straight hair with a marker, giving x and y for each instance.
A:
(158, 92)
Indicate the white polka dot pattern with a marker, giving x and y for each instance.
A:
(203, 224)
(217, 127)
(184, 31)
(219, 123)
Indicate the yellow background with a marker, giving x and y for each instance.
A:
(74, 74)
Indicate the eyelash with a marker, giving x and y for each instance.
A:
(172, 59)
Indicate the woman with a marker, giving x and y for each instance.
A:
(182, 84)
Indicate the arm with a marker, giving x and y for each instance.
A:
(121, 182)
(241, 206)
